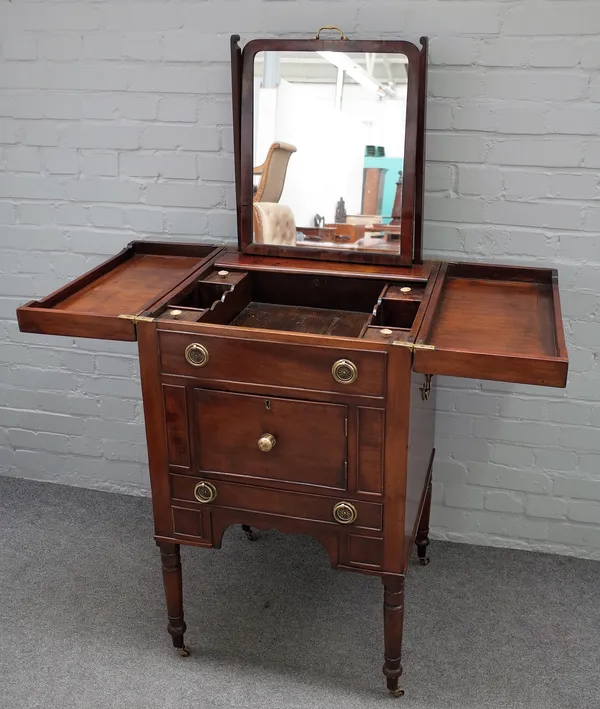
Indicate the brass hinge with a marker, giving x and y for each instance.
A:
(412, 346)
(346, 427)
(136, 318)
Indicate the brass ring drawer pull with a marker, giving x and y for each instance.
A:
(196, 355)
(266, 442)
(344, 513)
(205, 492)
(344, 371)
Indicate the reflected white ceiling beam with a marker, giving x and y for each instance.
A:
(343, 61)
(271, 71)
(388, 67)
(370, 62)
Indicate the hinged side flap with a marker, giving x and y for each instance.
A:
(494, 322)
(106, 301)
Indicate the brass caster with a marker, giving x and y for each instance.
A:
(184, 651)
(424, 561)
(398, 692)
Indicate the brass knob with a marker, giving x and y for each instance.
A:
(266, 442)
(196, 355)
(344, 513)
(344, 371)
(205, 492)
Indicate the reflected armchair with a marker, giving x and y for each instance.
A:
(272, 173)
(274, 224)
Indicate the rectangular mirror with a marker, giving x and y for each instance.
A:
(331, 146)
(328, 147)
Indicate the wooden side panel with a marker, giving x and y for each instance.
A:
(395, 457)
(154, 416)
(47, 321)
(364, 551)
(191, 523)
(370, 449)
(421, 433)
(176, 418)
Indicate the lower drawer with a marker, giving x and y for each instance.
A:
(336, 511)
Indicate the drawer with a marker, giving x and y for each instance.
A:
(272, 363)
(272, 438)
(267, 501)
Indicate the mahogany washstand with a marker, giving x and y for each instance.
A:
(250, 355)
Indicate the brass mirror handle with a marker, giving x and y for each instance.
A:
(344, 513)
(205, 492)
(330, 27)
(196, 355)
(344, 371)
(266, 442)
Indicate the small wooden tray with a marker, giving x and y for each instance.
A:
(105, 301)
(494, 322)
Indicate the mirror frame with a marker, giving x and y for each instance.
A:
(410, 242)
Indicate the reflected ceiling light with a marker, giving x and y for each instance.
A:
(347, 64)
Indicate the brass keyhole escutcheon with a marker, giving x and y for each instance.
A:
(205, 492)
(196, 355)
(344, 513)
(344, 371)
(266, 442)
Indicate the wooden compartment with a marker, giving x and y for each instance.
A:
(321, 305)
(104, 301)
(398, 305)
(494, 322)
(306, 303)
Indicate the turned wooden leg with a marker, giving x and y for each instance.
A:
(171, 568)
(422, 539)
(393, 619)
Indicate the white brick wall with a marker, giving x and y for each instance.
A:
(115, 124)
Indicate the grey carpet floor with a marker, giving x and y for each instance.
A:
(82, 619)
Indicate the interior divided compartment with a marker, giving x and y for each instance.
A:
(399, 305)
(308, 303)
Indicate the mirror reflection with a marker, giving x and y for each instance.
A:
(329, 149)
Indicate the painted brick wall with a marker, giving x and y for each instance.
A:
(115, 124)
